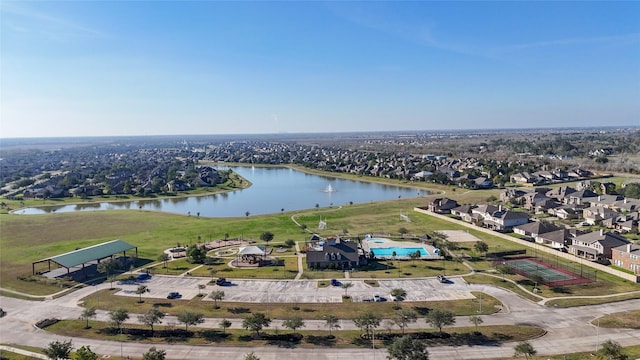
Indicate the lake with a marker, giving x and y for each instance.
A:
(273, 189)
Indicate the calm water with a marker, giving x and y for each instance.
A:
(273, 189)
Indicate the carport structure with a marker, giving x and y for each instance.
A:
(88, 254)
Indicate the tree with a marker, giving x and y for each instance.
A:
(293, 323)
(200, 288)
(190, 318)
(251, 356)
(151, 317)
(196, 255)
(331, 321)
(611, 350)
(524, 348)
(85, 353)
(216, 295)
(88, 314)
(225, 324)
(476, 320)
(164, 257)
(481, 247)
(439, 318)
(403, 230)
(266, 236)
(154, 354)
(415, 255)
(108, 267)
(142, 289)
(398, 293)
(58, 350)
(407, 348)
(367, 321)
(256, 322)
(403, 317)
(346, 287)
(118, 317)
(247, 214)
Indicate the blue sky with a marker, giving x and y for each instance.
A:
(76, 68)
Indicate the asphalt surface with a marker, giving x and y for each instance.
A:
(568, 330)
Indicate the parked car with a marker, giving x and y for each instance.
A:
(144, 276)
(335, 282)
(221, 281)
(174, 295)
(378, 298)
(441, 278)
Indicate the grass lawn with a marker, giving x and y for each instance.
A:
(626, 320)
(490, 280)
(105, 299)
(314, 338)
(409, 269)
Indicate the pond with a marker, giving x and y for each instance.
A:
(273, 190)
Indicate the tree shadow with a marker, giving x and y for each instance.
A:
(561, 290)
(321, 340)
(239, 310)
(214, 335)
(421, 310)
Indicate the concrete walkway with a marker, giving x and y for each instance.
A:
(300, 264)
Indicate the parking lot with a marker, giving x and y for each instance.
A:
(302, 291)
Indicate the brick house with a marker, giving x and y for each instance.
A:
(627, 257)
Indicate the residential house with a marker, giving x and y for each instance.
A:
(606, 201)
(560, 193)
(565, 212)
(511, 195)
(442, 205)
(524, 178)
(580, 197)
(626, 205)
(627, 257)
(464, 212)
(503, 220)
(558, 239)
(535, 228)
(596, 246)
(336, 254)
(595, 215)
(483, 182)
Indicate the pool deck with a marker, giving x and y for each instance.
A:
(369, 245)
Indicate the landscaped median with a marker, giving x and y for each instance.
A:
(457, 336)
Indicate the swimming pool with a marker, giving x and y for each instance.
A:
(400, 251)
(377, 240)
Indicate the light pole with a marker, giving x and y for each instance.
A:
(597, 335)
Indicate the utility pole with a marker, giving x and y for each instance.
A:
(597, 335)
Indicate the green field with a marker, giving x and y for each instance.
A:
(24, 239)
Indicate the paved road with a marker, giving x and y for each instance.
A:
(568, 330)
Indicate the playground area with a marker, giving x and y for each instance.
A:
(548, 274)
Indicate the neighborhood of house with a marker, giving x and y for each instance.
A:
(559, 218)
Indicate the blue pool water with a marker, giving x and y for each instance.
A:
(377, 240)
(388, 252)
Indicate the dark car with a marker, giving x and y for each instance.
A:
(442, 279)
(174, 295)
(144, 276)
(221, 281)
(335, 282)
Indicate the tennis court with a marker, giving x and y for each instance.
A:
(550, 275)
